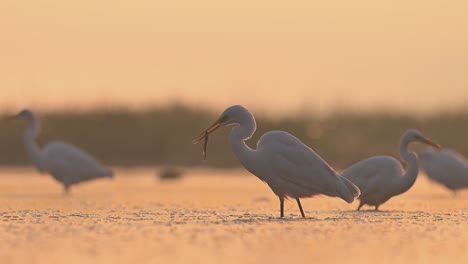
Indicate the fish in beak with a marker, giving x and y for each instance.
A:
(205, 133)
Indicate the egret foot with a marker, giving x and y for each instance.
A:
(300, 207)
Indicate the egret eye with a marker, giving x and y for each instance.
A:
(224, 119)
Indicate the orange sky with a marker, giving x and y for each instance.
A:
(278, 56)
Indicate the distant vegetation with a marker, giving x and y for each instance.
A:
(163, 135)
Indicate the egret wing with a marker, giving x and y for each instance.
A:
(298, 165)
(372, 173)
(67, 161)
(446, 167)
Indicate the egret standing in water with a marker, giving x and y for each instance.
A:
(381, 177)
(66, 163)
(288, 166)
(445, 167)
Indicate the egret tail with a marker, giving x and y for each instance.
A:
(109, 173)
(347, 190)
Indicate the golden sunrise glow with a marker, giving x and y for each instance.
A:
(273, 55)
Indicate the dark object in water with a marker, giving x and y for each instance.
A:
(170, 173)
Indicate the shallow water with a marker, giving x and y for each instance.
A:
(212, 215)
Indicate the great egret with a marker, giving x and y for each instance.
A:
(290, 168)
(381, 177)
(66, 163)
(445, 167)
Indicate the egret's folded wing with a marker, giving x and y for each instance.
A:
(73, 163)
(371, 174)
(298, 165)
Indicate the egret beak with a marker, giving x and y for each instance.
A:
(430, 142)
(208, 131)
(10, 117)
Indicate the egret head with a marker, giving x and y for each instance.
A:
(23, 114)
(233, 115)
(413, 135)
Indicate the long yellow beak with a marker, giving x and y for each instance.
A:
(430, 142)
(207, 131)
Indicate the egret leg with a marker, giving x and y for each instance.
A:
(66, 189)
(282, 207)
(300, 207)
(359, 207)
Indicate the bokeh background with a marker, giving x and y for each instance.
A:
(134, 81)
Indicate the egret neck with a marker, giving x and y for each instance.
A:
(237, 137)
(29, 140)
(409, 177)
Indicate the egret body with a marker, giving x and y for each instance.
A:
(64, 162)
(381, 177)
(289, 167)
(445, 167)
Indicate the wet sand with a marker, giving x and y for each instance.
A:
(214, 216)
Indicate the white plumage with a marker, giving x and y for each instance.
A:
(296, 170)
(288, 166)
(65, 162)
(445, 167)
(382, 177)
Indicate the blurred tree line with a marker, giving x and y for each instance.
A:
(161, 136)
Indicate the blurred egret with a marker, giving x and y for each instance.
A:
(381, 177)
(66, 163)
(445, 167)
(288, 166)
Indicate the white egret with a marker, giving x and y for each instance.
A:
(445, 167)
(381, 177)
(288, 166)
(66, 163)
